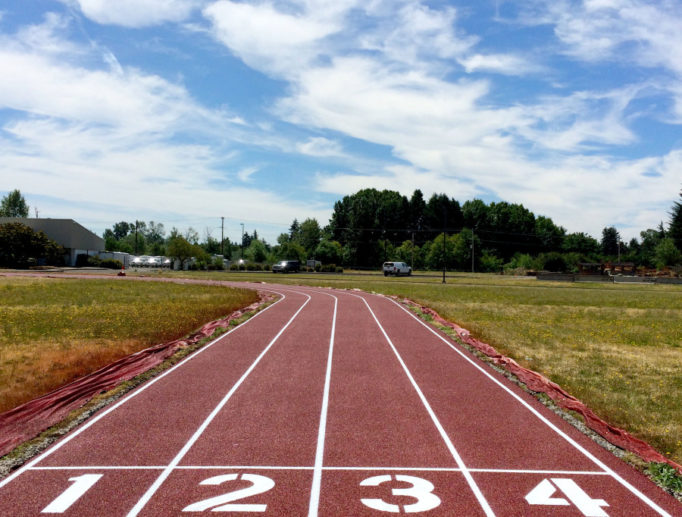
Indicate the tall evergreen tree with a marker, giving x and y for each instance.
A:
(675, 228)
(609, 241)
(13, 205)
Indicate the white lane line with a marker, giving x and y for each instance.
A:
(319, 453)
(329, 468)
(173, 464)
(458, 459)
(530, 408)
(132, 395)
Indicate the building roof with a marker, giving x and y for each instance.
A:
(66, 232)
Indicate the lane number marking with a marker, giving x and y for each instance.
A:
(81, 484)
(543, 492)
(259, 485)
(421, 490)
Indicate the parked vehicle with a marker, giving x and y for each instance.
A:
(287, 266)
(397, 269)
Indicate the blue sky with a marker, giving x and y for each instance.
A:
(183, 111)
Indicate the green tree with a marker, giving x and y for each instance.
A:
(290, 251)
(417, 207)
(310, 235)
(475, 214)
(410, 253)
(295, 231)
(20, 246)
(442, 210)
(121, 229)
(13, 205)
(675, 228)
(609, 241)
(550, 237)
(329, 252)
(463, 249)
(257, 251)
(180, 249)
(154, 233)
(581, 243)
(667, 254)
(441, 252)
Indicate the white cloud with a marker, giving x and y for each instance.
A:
(245, 174)
(268, 39)
(320, 147)
(507, 64)
(119, 139)
(136, 13)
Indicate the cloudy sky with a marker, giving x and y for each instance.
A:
(262, 111)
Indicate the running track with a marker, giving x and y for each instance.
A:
(329, 403)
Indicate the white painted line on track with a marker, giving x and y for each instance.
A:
(328, 468)
(173, 464)
(570, 440)
(458, 459)
(319, 453)
(102, 467)
(135, 393)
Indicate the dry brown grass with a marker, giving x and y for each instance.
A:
(54, 331)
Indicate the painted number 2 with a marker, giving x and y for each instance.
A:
(421, 490)
(222, 503)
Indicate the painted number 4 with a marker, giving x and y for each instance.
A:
(544, 492)
(420, 489)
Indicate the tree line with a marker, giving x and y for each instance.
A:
(373, 226)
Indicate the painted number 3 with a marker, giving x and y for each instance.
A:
(420, 489)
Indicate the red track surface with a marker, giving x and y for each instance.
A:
(330, 403)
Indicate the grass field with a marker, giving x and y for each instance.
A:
(617, 347)
(53, 331)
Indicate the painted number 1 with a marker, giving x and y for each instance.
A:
(421, 490)
(81, 484)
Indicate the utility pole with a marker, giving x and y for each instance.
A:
(242, 240)
(222, 236)
(473, 251)
(445, 224)
(619, 252)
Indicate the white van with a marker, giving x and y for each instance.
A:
(397, 269)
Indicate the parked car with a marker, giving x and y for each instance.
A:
(287, 266)
(397, 269)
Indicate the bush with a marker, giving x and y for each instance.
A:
(490, 263)
(111, 264)
(234, 267)
(328, 268)
(83, 260)
(339, 269)
(553, 262)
